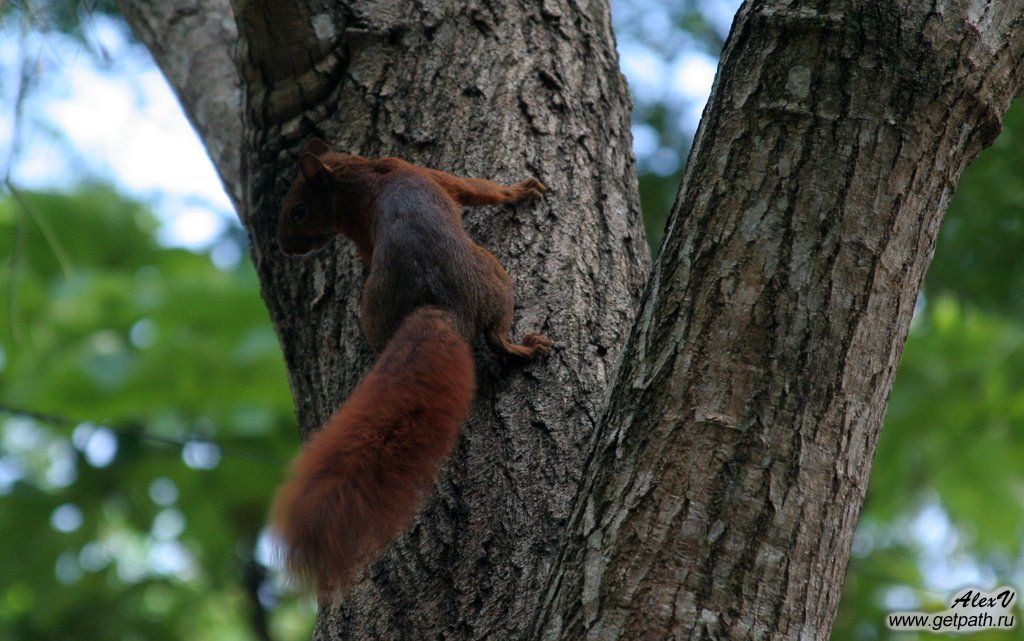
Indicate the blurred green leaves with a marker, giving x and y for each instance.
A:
(124, 526)
(978, 257)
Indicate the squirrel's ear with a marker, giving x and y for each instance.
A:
(312, 167)
(316, 147)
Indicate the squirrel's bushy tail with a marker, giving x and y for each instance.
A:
(358, 481)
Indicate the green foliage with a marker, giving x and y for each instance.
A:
(978, 254)
(657, 194)
(164, 346)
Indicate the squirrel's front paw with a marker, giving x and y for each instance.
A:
(529, 189)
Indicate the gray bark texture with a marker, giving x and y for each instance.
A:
(498, 90)
(732, 460)
(711, 490)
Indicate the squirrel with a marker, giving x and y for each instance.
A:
(431, 290)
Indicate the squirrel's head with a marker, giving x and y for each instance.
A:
(325, 200)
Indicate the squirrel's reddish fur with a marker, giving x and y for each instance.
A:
(358, 481)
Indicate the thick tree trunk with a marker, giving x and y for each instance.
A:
(725, 477)
(731, 463)
(497, 89)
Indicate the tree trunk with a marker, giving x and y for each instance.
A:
(731, 464)
(724, 478)
(492, 89)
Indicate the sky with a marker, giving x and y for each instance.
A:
(111, 118)
(102, 111)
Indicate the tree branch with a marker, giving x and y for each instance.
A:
(193, 42)
(731, 463)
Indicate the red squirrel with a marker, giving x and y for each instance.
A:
(431, 291)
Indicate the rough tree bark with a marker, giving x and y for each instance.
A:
(724, 478)
(721, 498)
(497, 89)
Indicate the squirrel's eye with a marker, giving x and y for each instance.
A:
(298, 213)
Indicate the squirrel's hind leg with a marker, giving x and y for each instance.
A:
(534, 345)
